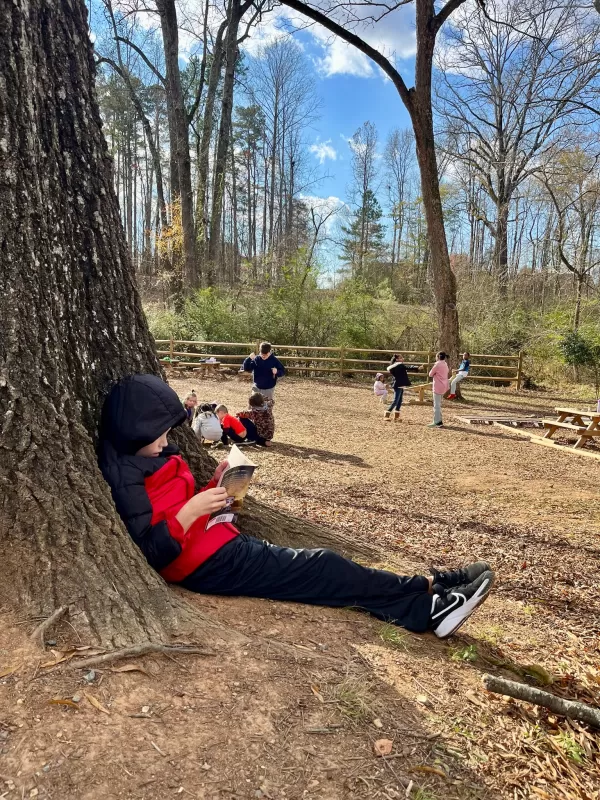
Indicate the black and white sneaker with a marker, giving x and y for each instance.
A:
(452, 609)
(458, 577)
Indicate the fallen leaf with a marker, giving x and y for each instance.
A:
(5, 673)
(96, 703)
(472, 697)
(431, 770)
(317, 693)
(383, 747)
(131, 668)
(63, 701)
(59, 658)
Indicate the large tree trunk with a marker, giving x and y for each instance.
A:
(65, 266)
(71, 322)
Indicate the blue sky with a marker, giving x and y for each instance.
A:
(348, 101)
(353, 90)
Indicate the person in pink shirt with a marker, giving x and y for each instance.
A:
(440, 373)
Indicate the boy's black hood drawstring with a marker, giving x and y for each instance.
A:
(138, 410)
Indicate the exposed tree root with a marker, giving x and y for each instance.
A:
(521, 691)
(139, 650)
(38, 635)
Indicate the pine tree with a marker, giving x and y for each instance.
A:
(363, 245)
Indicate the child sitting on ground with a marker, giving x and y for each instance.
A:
(190, 403)
(206, 424)
(261, 414)
(154, 493)
(238, 430)
(379, 387)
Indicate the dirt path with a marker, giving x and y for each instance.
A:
(259, 720)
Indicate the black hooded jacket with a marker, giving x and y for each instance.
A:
(398, 371)
(138, 410)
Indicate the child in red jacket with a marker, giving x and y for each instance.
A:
(155, 495)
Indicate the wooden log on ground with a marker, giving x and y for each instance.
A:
(530, 694)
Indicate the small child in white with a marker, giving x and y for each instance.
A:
(379, 388)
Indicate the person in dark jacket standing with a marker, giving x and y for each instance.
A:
(398, 372)
(265, 369)
(154, 492)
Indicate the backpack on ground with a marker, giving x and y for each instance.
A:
(206, 425)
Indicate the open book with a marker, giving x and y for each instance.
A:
(236, 479)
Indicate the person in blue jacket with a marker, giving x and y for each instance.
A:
(265, 369)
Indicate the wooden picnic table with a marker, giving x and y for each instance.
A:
(586, 424)
(207, 368)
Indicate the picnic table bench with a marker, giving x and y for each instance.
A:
(206, 368)
(586, 424)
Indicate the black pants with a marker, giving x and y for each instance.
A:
(251, 434)
(248, 567)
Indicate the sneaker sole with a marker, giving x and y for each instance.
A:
(455, 619)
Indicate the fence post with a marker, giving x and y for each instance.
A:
(342, 355)
(429, 364)
(171, 349)
(257, 351)
(520, 370)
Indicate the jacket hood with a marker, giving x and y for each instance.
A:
(138, 410)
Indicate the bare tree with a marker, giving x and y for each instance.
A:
(342, 19)
(573, 184)
(515, 77)
(398, 158)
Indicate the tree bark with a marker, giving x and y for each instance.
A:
(181, 188)
(66, 265)
(501, 246)
(530, 694)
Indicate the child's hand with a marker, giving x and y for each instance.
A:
(274, 371)
(220, 470)
(201, 505)
(242, 415)
(252, 355)
(208, 501)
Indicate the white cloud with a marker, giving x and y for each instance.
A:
(342, 59)
(323, 151)
(270, 29)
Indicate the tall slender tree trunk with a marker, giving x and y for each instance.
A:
(231, 52)
(179, 131)
(501, 246)
(204, 151)
(444, 282)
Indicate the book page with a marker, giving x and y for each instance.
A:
(236, 479)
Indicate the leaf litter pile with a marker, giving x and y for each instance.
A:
(292, 701)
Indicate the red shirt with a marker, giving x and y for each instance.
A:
(229, 421)
(169, 489)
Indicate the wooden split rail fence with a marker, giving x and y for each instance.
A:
(341, 361)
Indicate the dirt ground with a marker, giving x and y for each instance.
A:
(293, 698)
